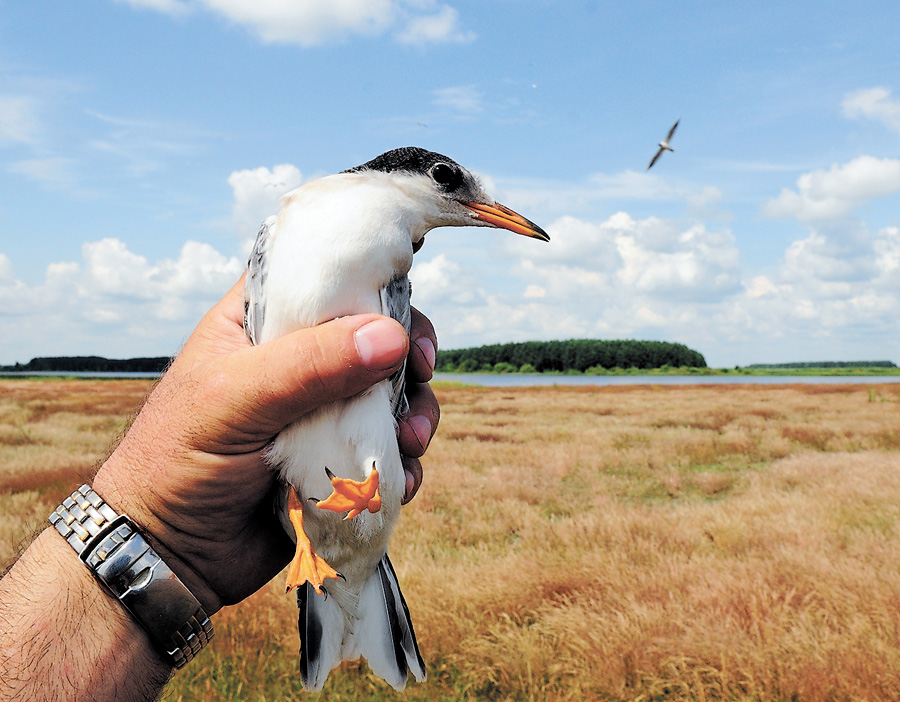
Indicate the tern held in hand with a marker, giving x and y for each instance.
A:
(343, 245)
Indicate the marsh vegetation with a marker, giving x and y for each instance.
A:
(572, 543)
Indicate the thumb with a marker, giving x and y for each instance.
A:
(273, 384)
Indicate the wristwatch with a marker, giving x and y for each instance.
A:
(119, 556)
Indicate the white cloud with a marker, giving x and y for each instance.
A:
(828, 300)
(442, 26)
(113, 302)
(18, 120)
(311, 22)
(834, 193)
(874, 103)
(618, 278)
(835, 293)
(308, 22)
(441, 280)
(760, 286)
(887, 250)
(648, 257)
(256, 192)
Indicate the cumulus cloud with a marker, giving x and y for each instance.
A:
(827, 194)
(622, 277)
(113, 301)
(645, 257)
(875, 104)
(828, 299)
(256, 192)
(626, 277)
(309, 22)
(442, 280)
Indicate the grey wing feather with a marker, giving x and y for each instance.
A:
(395, 298)
(255, 284)
(672, 130)
(655, 159)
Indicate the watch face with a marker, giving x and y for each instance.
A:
(120, 557)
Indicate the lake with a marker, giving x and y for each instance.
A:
(524, 380)
(531, 380)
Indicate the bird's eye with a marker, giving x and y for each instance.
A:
(446, 176)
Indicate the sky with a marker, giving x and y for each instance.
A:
(143, 141)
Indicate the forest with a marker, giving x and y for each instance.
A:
(90, 364)
(581, 355)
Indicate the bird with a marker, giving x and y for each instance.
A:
(341, 245)
(664, 144)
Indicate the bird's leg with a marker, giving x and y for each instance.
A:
(353, 496)
(307, 565)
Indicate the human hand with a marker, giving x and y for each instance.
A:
(190, 470)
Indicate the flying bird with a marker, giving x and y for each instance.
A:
(664, 145)
(342, 245)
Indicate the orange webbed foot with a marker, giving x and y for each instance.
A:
(353, 495)
(307, 565)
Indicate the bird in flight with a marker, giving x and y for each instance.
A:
(342, 245)
(664, 145)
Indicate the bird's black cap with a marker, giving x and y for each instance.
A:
(411, 159)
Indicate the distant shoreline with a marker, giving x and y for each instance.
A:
(667, 376)
(699, 372)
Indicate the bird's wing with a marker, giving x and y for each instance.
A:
(672, 130)
(655, 158)
(395, 303)
(255, 284)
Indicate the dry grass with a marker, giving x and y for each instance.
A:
(53, 434)
(624, 543)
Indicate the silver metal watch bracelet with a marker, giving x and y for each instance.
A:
(119, 556)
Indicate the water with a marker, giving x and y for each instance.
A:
(524, 380)
(516, 380)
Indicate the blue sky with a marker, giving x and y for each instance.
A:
(142, 142)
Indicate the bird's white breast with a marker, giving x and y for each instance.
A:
(334, 248)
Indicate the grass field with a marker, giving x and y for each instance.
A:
(618, 543)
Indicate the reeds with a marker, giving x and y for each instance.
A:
(626, 543)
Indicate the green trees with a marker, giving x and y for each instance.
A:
(575, 354)
(92, 364)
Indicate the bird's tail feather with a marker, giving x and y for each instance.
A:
(383, 634)
(320, 645)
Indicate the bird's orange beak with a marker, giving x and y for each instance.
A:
(497, 215)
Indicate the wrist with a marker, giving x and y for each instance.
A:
(118, 555)
(56, 618)
(161, 533)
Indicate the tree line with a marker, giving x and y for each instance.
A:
(573, 355)
(91, 364)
